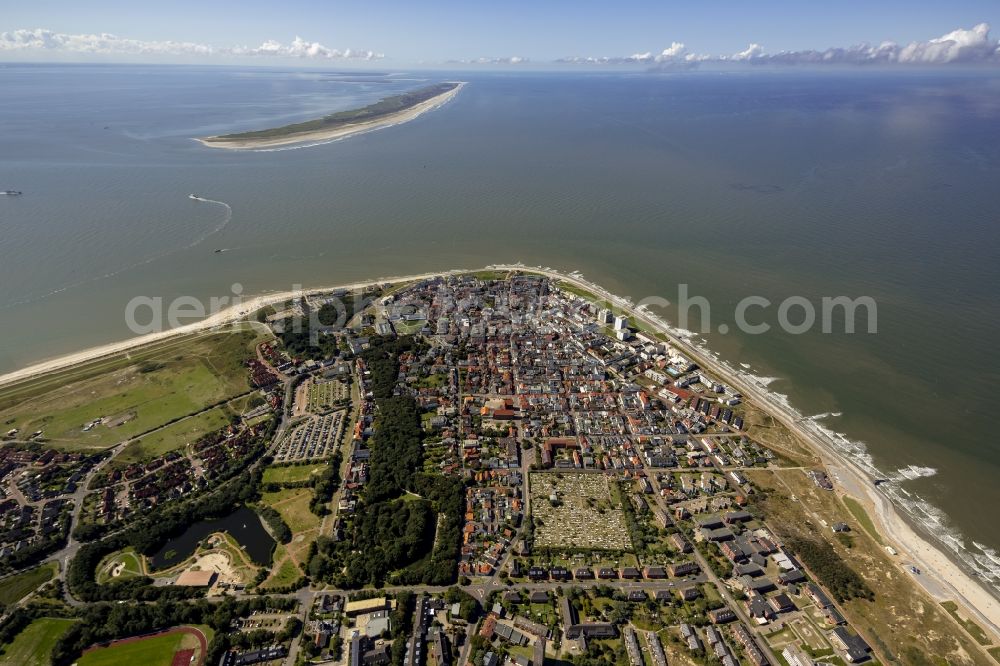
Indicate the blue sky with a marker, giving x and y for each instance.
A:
(414, 32)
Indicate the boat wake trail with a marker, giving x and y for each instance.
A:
(218, 228)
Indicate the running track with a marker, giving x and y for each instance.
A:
(179, 630)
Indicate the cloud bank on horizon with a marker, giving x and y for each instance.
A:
(41, 40)
(961, 46)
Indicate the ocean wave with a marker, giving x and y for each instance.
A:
(911, 472)
(824, 415)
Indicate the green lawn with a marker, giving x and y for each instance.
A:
(293, 505)
(15, 588)
(290, 473)
(33, 646)
(491, 275)
(286, 574)
(128, 557)
(157, 651)
(134, 395)
(863, 518)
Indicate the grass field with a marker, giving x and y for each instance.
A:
(128, 559)
(33, 646)
(174, 436)
(285, 573)
(863, 518)
(293, 505)
(134, 395)
(290, 473)
(155, 651)
(15, 588)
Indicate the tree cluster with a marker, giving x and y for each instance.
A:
(277, 525)
(824, 562)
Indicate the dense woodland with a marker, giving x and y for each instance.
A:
(824, 562)
(393, 536)
(276, 524)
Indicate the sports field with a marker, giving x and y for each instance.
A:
(156, 650)
(133, 395)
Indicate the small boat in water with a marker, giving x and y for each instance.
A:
(193, 196)
(11, 193)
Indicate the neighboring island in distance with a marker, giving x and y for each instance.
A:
(388, 111)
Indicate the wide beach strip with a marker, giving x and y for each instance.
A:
(388, 111)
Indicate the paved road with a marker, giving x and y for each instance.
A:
(719, 585)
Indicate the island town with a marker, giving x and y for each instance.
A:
(489, 468)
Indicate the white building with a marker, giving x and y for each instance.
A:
(796, 657)
(621, 322)
(604, 316)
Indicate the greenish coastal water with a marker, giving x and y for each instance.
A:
(763, 183)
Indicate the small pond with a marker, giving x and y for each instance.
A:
(243, 525)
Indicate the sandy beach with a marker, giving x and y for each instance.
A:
(224, 317)
(940, 576)
(334, 134)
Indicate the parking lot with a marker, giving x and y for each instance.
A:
(316, 438)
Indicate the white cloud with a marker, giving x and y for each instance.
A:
(970, 46)
(300, 48)
(675, 51)
(751, 52)
(957, 46)
(107, 44)
(505, 60)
